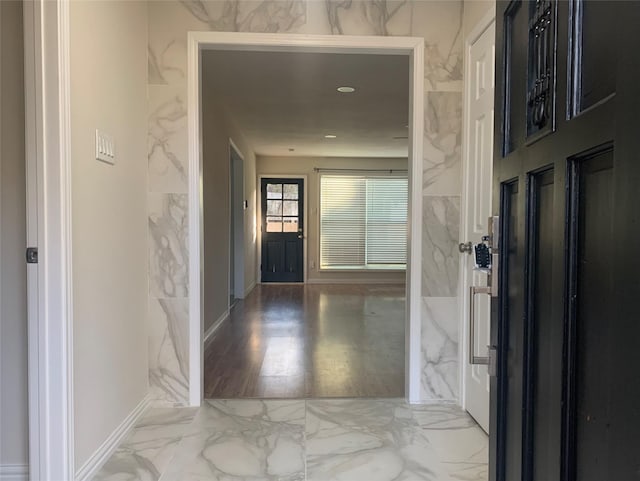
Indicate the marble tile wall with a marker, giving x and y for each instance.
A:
(439, 22)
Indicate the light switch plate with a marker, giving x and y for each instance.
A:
(105, 148)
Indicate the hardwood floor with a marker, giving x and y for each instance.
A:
(310, 341)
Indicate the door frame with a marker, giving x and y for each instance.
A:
(305, 209)
(412, 47)
(233, 263)
(479, 28)
(49, 215)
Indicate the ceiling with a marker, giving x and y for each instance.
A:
(286, 100)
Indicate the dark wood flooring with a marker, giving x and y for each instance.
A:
(310, 341)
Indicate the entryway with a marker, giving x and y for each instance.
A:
(327, 201)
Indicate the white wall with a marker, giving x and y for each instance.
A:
(13, 289)
(110, 277)
(305, 166)
(218, 128)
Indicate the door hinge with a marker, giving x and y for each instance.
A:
(32, 255)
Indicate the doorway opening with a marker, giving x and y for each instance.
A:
(282, 222)
(315, 311)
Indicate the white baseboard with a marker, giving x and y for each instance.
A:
(104, 452)
(14, 472)
(208, 336)
(248, 290)
(437, 402)
(394, 282)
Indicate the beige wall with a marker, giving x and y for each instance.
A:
(305, 166)
(109, 202)
(217, 129)
(474, 11)
(13, 289)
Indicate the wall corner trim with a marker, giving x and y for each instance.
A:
(14, 472)
(208, 336)
(104, 452)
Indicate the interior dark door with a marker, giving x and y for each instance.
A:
(282, 230)
(565, 398)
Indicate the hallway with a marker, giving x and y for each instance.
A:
(310, 341)
(296, 440)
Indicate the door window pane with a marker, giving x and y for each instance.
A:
(290, 207)
(274, 191)
(594, 68)
(290, 191)
(274, 207)
(274, 224)
(290, 224)
(598, 60)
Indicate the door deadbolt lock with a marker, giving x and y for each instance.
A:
(486, 256)
(465, 247)
(482, 257)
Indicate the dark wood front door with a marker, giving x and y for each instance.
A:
(565, 398)
(282, 230)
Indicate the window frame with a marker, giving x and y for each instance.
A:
(388, 268)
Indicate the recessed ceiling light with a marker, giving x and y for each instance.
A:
(346, 90)
(330, 136)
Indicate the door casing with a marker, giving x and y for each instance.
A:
(236, 222)
(49, 282)
(410, 46)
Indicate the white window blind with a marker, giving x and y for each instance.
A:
(363, 221)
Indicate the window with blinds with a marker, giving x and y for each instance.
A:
(363, 221)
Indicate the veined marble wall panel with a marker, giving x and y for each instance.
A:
(440, 231)
(169, 349)
(440, 364)
(442, 174)
(168, 251)
(167, 139)
(439, 22)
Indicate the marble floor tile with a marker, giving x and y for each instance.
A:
(298, 440)
(459, 443)
(365, 439)
(237, 414)
(147, 451)
(243, 440)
